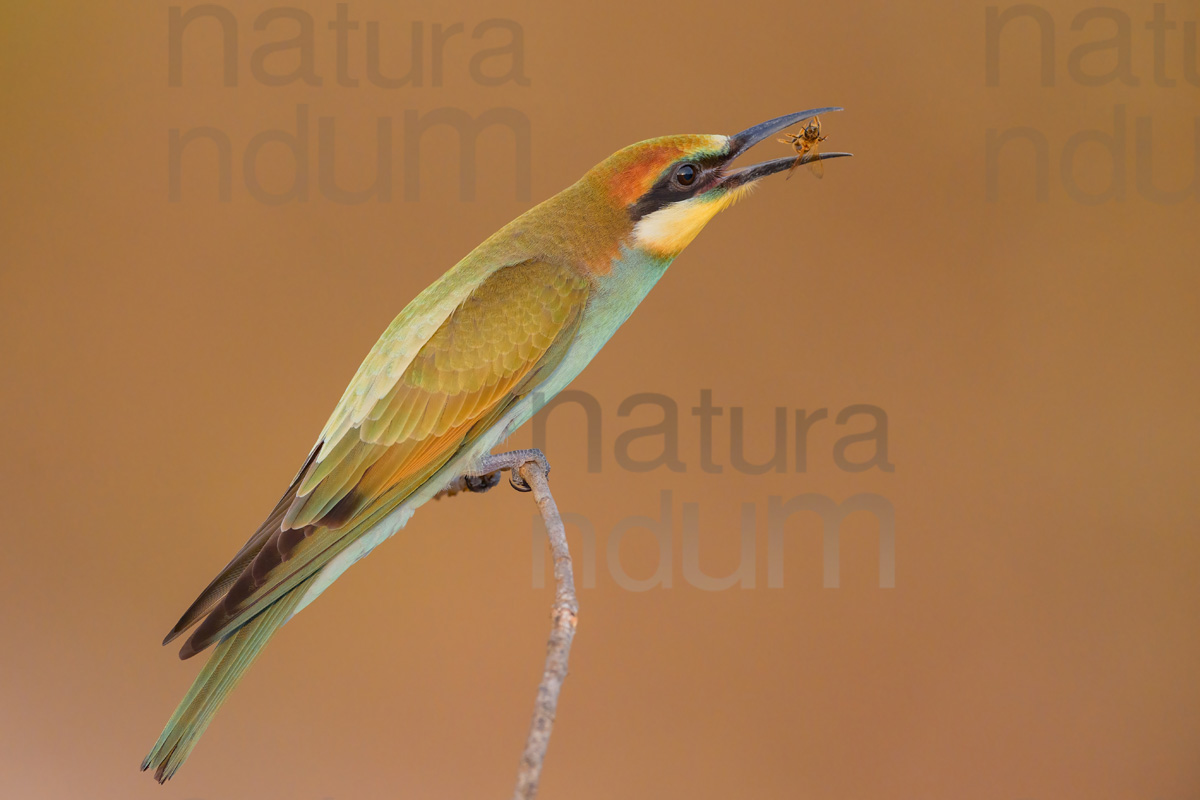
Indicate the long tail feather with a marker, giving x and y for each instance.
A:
(229, 660)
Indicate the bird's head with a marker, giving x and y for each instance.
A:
(671, 186)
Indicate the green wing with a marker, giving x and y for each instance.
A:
(431, 385)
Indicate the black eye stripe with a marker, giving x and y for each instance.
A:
(667, 190)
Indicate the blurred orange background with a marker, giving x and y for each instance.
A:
(168, 364)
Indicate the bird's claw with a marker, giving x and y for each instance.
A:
(529, 456)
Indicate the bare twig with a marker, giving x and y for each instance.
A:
(530, 469)
(564, 614)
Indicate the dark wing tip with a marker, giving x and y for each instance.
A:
(174, 634)
(215, 591)
(205, 633)
(196, 643)
(196, 610)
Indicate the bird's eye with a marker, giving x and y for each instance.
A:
(687, 174)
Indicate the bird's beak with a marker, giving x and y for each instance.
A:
(741, 142)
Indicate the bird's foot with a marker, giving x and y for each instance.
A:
(486, 474)
(492, 465)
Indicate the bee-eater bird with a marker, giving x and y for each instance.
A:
(466, 363)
